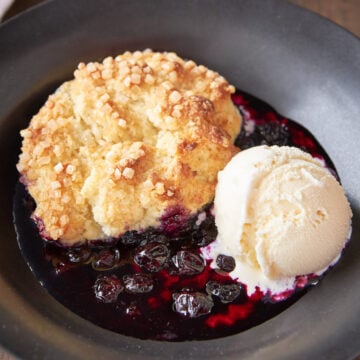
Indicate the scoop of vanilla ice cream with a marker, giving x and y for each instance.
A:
(280, 213)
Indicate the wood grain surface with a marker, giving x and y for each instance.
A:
(345, 13)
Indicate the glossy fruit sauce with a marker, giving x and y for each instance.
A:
(155, 284)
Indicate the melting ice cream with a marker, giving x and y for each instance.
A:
(280, 213)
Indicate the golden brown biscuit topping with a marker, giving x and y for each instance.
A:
(124, 140)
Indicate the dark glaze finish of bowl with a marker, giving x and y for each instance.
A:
(304, 66)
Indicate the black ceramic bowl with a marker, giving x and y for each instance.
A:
(306, 67)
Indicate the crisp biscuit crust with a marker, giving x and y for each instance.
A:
(113, 148)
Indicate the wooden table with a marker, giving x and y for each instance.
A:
(343, 12)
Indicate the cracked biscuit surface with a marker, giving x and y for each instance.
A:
(125, 140)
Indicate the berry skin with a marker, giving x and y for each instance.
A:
(274, 133)
(206, 233)
(227, 293)
(192, 304)
(188, 263)
(131, 238)
(225, 263)
(108, 288)
(138, 283)
(106, 260)
(152, 257)
(271, 133)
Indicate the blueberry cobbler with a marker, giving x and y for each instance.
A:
(159, 202)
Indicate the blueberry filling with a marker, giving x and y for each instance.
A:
(192, 304)
(188, 263)
(108, 288)
(225, 263)
(227, 293)
(156, 284)
(152, 257)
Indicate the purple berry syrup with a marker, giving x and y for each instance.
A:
(155, 284)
